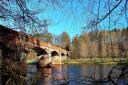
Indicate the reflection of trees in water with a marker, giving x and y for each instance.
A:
(118, 75)
(41, 77)
(47, 76)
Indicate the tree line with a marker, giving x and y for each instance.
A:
(107, 43)
(100, 44)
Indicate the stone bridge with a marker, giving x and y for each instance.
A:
(30, 47)
(55, 54)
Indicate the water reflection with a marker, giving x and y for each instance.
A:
(45, 76)
(74, 74)
(94, 71)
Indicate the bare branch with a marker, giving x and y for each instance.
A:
(110, 11)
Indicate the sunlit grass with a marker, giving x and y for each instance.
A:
(93, 60)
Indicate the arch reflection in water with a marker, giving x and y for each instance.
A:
(77, 74)
(47, 76)
(44, 76)
(53, 76)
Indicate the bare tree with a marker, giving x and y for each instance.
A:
(25, 14)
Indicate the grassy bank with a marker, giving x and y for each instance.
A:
(93, 60)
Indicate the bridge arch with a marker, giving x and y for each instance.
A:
(40, 51)
(67, 55)
(54, 53)
(62, 54)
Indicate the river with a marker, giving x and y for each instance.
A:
(72, 74)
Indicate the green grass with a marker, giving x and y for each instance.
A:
(92, 60)
(31, 61)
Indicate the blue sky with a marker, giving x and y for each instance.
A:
(62, 23)
(72, 17)
(66, 19)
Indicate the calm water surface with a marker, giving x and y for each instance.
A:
(74, 74)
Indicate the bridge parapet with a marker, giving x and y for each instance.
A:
(15, 39)
(45, 44)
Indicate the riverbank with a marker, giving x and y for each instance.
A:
(93, 60)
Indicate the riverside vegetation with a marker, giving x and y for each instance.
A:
(94, 61)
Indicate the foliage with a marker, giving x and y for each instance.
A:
(47, 37)
(75, 48)
(100, 44)
(65, 41)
